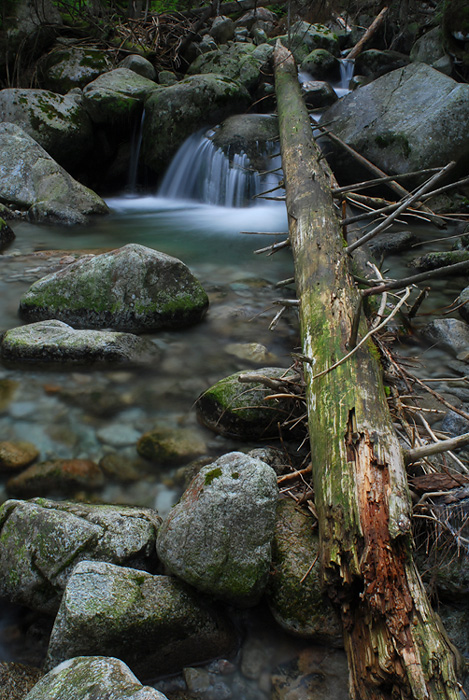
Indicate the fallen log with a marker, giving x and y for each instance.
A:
(395, 644)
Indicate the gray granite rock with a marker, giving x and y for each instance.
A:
(42, 540)
(218, 537)
(155, 624)
(449, 333)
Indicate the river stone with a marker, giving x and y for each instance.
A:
(42, 540)
(222, 29)
(295, 596)
(16, 680)
(31, 181)
(173, 113)
(133, 288)
(412, 118)
(240, 410)
(92, 678)
(6, 234)
(254, 134)
(322, 65)
(139, 65)
(318, 94)
(373, 62)
(65, 68)
(218, 537)
(171, 446)
(451, 334)
(54, 342)
(242, 62)
(57, 122)
(463, 304)
(155, 624)
(58, 476)
(116, 96)
(16, 455)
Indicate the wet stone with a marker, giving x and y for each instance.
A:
(63, 476)
(171, 447)
(16, 455)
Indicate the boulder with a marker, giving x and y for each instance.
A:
(242, 62)
(451, 334)
(218, 537)
(240, 410)
(68, 67)
(175, 112)
(294, 593)
(305, 37)
(222, 29)
(373, 62)
(171, 447)
(56, 476)
(429, 48)
(55, 343)
(133, 288)
(115, 97)
(317, 94)
(412, 118)
(57, 122)
(256, 135)
(322, 65)
(97, 677)
(139, 65)
(31, 181)
(16, 455)
(155, 624)
(42, 540)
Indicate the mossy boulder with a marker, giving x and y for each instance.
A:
(218, 537)
(412, 118)
(173, 113)
(294, 593)
(115, 97)
(32, 181)
(100, 677)
(322, 65)
(171, 447)
(65, 68)
(373, 63)
(57, 122)
(155, 624)
(56, 343)
(242, 62)
(133, 289)
(241, 410)
(42, 540)
(305, 37)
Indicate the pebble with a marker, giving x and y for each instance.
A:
(118, 435)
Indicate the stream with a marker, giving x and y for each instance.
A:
(90, 414)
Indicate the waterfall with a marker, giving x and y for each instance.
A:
(135, 145)
(347, 66)
(200, 171)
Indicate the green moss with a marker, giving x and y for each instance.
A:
(235, 475)
(397, 140)
(212, 475)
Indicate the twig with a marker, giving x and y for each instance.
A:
(270, 249)
(303, 579)
(401, 208)
(366, 184)
(399, 284)
(417, 453)
(294, 475)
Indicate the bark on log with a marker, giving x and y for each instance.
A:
(395, 644)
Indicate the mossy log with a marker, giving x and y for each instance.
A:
(395, 643)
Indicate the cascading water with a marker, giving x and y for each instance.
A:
(135, 146)
(202, 172)
(347, 67)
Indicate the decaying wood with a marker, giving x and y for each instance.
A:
(441, 272)
(377, 22)
(394, 642)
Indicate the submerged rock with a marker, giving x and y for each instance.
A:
(412, 118)
(16, 455)
(155, 624)
(173, 113)
(97, 677)
(55, 342)
(218, 537)
(294, 593)
(133, 288)
(58, 476)
(241, 410)
(31, 181)
(171, 447)
(42, 540)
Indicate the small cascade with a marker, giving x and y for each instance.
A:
(135, 146)
(347, 66)
(202, 172)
